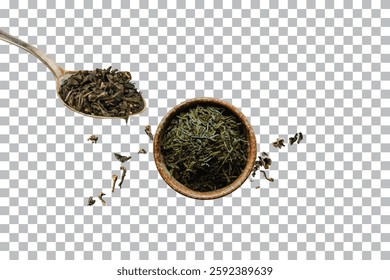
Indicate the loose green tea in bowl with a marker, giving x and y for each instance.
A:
(103, 93)
(205, 148)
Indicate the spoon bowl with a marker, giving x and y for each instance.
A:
(60, 74)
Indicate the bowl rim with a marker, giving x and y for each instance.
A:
(182, 189)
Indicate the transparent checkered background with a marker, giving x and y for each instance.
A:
(319, 67)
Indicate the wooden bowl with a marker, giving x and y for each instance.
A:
(177, 186)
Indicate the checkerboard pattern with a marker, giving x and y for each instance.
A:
(319, 67)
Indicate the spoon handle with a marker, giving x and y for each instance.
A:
(50, 63)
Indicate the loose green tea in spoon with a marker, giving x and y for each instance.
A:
(205, 148)
(103, 93)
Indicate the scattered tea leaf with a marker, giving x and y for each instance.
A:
(278, 143)
(292, 140)
(91, 201)
(264, 161)
(100, 196)
(121, 158)
(114, 179)
(123, 176)
(148, 130)
(93, 138)
(266, 177)
(300, 137)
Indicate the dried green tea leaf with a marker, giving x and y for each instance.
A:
(121, 158)
(148, 130)
(93, 138)
(264, 161)
(91, 201)
(300, 137)
(278, 143)
(100, 196)
(124, 170)
(114, 179)
(205, 148)
(103, 93)
(266, 177)
(292, 140)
